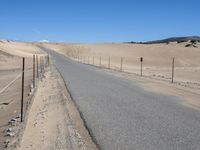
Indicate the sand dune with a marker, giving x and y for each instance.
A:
(157, 58)
(11, 54)
(19, 48)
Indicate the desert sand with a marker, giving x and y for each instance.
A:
(42, 128)
(11, 54)
(51, 118)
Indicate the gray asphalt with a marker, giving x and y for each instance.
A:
(122, 116)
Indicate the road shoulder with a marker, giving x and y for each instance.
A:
(53, 121)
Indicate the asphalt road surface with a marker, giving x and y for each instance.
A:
(121, 115)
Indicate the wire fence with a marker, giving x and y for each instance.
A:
(17, 92)
(168, 70)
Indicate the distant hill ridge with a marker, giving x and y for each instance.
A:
(172, 39)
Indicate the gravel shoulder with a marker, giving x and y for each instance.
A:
(54, 122)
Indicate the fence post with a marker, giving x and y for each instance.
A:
(173, 70)
(141, 60)
(88, 59)
(22, 92)
(37, 66)
(100, 61)
(109, 62)
(121, 64)
(33, 71)
(93, 60)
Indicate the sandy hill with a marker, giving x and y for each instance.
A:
(157, 57)
(19, 48)
(11, 53)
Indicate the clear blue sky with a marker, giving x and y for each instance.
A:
(98, 20)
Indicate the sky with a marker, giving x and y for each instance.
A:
(97, 21)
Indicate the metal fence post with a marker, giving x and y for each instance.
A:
(37, 66)
(22, 92)
(141, 60)
(40, 66)
(33, 71)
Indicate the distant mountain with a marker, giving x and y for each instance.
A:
(172, 39)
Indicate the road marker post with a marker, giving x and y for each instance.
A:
(141, 60)
(173, 69)
(93, 60)
(22, 92)
(88, 59)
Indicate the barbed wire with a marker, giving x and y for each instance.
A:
(13, 81)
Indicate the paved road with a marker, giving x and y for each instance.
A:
(121, 115)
